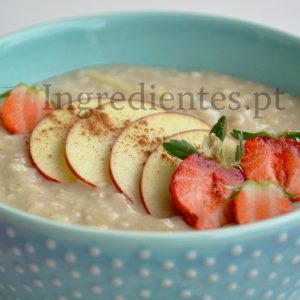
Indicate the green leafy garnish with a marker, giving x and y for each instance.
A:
(212, 147)
(220, 128)
(290, 195)
(5, 94)
(180, 149)
(251, 135)
(293, 135)
(235, 191)
(242, 136)
(239, 153)
(212, 144)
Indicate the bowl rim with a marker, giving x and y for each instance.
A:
(31, 220)
(147, 13)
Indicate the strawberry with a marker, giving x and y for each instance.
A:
(23, 108)
(199, 193)
(273, 159)
(257, 201)
(292, 167)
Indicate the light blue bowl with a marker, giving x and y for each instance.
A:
(42, 260)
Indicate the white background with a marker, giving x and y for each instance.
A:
(281, 14)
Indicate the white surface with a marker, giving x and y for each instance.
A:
(281, 14)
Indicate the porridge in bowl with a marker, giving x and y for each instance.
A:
(135, 148)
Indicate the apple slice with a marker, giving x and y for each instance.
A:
(135, 144)
(90, 140)
(47, 142)
(160, 167)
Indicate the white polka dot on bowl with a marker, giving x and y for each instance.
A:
(70, 257)
(29, 248)
(213, 278)
(144, 254)
(277, 258)
(95, 270)
(77, 294)
(10, 233)
(50, 263)
(166, 283)
(191, 255)
(249, 293)
(282, 238)
(57, 282)
(185, 294)
(116, 281)
(96, 289)
(232, 287)
(209, 262)
(144, 293)
(144, 273)
(95, 252)
(231, 269)
(295, 260)
(191, 273)
(75, 274)
(272, 276)
(168, 265)
(117, 263)
(256, 254)
(38, 283)
(252, 273)
(33, 267)
(237, 250)
(50, 244)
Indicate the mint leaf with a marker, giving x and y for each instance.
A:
(220, 128)
(290, 195)
(249, 135)
(180, 149)
(292, 135)
(5, 94)
(234, 194)
(234, 191)
(239, 153)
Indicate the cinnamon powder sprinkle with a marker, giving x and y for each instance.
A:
(53, 117)
(164, 156)
(126, 123)
(72, 109)
(168, 159)
(98, 123)
(147, 153)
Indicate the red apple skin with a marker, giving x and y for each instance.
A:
(40, 171)
(114, 181)
(117, 185)
(142, 197)
(76, 174)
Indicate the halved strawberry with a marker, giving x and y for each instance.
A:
(273, 159)
(257, 201)
(199, 193)
(292, 167)
(23, 109)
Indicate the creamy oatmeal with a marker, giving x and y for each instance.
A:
(157, 81)
(104, 207)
